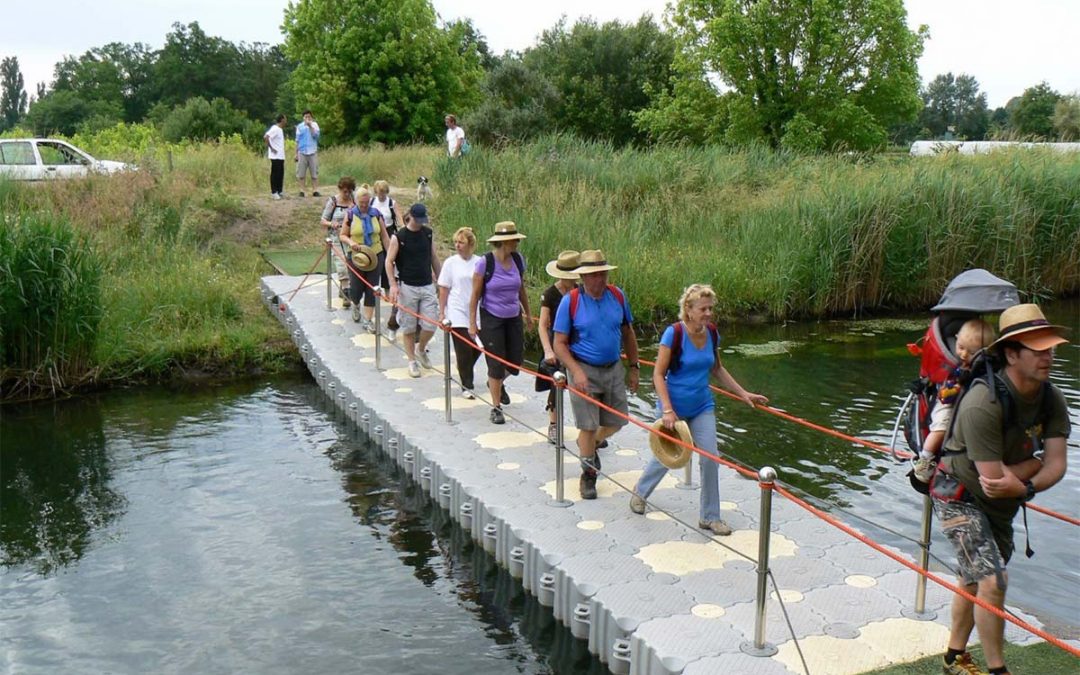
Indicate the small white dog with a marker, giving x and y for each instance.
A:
(423, 192)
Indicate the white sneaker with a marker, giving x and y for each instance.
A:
(356, 315)
(422, 357)
(467, 393)
(414, 369)
(275, 196)
(391, 335)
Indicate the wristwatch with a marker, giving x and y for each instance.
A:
(1030, 491)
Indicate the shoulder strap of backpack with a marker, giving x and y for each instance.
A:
(575, 297)
(520, 262)
(621, 298)
(714, 333)
(676, 347)
(489, 270)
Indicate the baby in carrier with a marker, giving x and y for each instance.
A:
(973, 337)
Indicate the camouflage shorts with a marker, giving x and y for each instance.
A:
(978, 553)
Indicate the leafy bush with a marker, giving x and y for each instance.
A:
(201, 120)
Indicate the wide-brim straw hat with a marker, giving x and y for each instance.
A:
(505, 231)
(594, 261)
(1027, 325)
(671, 455)
(365, 258)
(564, 266)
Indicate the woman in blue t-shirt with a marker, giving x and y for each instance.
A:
(682, 392)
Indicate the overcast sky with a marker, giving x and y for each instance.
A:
(1007, 45)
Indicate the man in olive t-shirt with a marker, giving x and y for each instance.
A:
(991, 453)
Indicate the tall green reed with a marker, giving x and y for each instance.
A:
(50, 303)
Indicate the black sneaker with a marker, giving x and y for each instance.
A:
(504, 398)
(497, 416)
(602, 444)
(316, 194)
(301, 193)
(587, 485)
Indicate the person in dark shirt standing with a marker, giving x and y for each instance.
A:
(412, 266)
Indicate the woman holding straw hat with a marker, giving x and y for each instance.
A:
(498, 294)
(681, 378)
(364, 226)
(562, 270)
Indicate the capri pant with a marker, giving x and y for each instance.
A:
(504, 338)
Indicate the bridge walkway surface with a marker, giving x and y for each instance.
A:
(651, 594)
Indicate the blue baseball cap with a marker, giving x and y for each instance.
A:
(418, 212)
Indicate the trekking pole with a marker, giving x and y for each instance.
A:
(920, 613)
(560, 393)
(447, 337)
(329, 274)
(766, 478)
(378, 329)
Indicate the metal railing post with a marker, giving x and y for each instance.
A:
(687, 483)
(560, 397)
(378, 329)
(447, 381)
(329, 274)
(920, 613)
(766, 478)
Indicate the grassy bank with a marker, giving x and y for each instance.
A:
(782, 235)
(1037, 658)
(177, 243)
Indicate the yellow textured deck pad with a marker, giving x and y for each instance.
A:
(500, 440)
(364, 341)
(706, 611)
(403, 373)
(879, 644)
(685, 557)
(604, 487)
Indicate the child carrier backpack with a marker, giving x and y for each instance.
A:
(937, 362)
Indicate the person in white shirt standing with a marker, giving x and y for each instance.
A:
(275, 150)
(307, 153)
(455, 137)
(455, 289)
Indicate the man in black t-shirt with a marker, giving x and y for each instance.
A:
(413, 266)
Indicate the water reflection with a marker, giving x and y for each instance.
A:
(55, 483)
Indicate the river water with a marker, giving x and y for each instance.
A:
(248, 528)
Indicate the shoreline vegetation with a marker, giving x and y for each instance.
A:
(153, 275)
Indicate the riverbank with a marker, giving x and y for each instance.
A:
(176, 246)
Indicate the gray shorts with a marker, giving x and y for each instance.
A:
(607, 385)
(308, 164)
(421, 300)
(980, 551)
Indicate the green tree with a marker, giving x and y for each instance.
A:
(849, 66)
(202, 120)
(193, 63)
(602, 73)
(690, 110)
(1067, 118)
(1032, 115)
(63, 111)
(377, 71)
(955, 104)
(518, 103)
(12, 93)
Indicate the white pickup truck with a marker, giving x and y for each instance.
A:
(46, 159)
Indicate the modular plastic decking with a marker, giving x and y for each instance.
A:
(650, 595)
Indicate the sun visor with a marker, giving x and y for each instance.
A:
(977, 291)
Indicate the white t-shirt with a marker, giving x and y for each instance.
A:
(277, 142)
(452, 136)
(457, 275)
(383, 207)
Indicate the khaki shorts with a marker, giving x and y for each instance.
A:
(420, 300)
(307, 164)
(607, 385)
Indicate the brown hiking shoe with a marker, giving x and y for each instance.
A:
(587, 485)
(963, 665)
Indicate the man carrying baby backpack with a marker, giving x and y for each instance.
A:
(991, 467)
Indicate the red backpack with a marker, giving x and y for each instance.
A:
(676, 345)
(575, 298)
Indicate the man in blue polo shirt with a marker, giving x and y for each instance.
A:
(592, 324)
(307, 152)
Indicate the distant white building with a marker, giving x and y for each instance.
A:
(925, 148)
